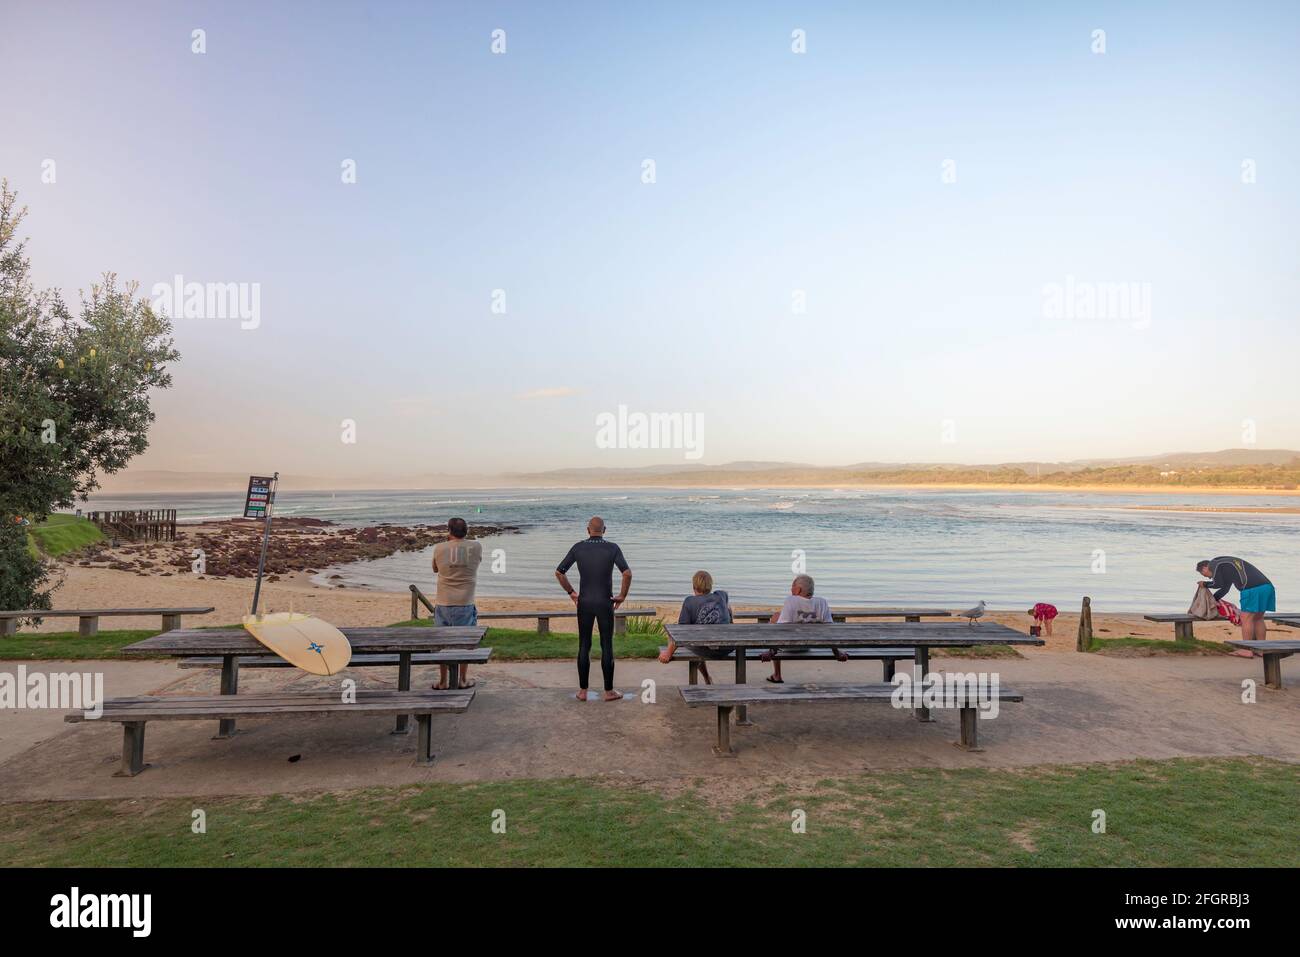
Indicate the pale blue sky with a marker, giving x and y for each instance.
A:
(776, 172)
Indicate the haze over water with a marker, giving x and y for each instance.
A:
(949, 548)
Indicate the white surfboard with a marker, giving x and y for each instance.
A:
(313, 645)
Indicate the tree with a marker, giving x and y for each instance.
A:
(74, 397)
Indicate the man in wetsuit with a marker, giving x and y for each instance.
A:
(596, 560)
(1257, 593)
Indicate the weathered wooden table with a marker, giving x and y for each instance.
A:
(920, 636)
(843, 614)
(1272, 651)
(230, 644)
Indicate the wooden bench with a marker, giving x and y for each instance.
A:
(887, 657)
(88, 623)
(844, 614)
(726, 697)
(133, 713)
(1183, 623)
(1272, 651)
(453, 658)
(544, 617)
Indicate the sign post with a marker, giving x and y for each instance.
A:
(259, 503)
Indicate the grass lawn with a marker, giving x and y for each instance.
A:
(507, 644)
(60, 534)
(1157, 647)
(1177, 813)
(515, 644)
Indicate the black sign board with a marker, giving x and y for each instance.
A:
(259, 496)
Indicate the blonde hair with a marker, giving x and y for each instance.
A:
(702, 582)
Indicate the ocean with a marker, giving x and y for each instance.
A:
(942, 547)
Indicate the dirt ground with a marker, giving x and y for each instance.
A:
(525, 723)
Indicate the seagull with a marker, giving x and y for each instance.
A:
(973, 613)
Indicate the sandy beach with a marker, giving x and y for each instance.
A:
(106, 587)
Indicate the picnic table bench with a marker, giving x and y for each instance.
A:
(843, 614)
(1272, 651)
(621, 615)
(920, 637)
(232, 645)
(727, 697)
(134, 713)
(543, 616)
(468, 656)
(88, 618)
(887, 657)
(1183, 622)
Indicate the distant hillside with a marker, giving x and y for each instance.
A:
(1228, 468)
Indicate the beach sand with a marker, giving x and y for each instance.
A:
(109, 588)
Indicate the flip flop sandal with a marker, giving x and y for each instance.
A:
(775, 680)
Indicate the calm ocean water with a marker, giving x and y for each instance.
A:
(950, 548)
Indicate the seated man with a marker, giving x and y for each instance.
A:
(799, 608)
(705, 607)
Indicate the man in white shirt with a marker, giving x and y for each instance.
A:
(800, 607)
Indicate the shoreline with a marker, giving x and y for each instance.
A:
(742, 486)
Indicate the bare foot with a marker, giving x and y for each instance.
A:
(440, 686)
(613, 696)
(582, 694)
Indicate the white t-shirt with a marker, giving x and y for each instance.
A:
(798, 610)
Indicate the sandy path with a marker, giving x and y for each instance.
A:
(524, 723)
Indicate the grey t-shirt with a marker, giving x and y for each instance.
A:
(710, 609)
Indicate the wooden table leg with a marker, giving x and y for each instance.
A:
(693, 672)
(132, 749)
(453, 675)
(1273, 672)
(88, 625)
(742, 711)
(969, 734)
(887, 666)
(543, 626)
(918, 675)
(229, 685)
(424, 739)
(723, 748)
(404, 684)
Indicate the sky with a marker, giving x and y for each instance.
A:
(878, 249)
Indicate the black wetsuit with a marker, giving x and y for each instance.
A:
(1226, 571)
(596, 560)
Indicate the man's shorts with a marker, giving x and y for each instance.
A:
(1261, 598)
(446, 615)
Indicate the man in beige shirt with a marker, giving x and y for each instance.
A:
(456, 562)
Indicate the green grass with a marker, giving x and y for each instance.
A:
(1178, 813)
(61, 534)
(1194, 647)
(32, 646)
(514, 644)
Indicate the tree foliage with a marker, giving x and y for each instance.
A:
(74, 396)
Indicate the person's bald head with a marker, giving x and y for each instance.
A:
(596, 526)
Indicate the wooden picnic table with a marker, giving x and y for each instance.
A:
(841, 614)
(230, 644)
(920, 636)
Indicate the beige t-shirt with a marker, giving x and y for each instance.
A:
(456, 563)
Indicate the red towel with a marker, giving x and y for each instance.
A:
(1044, 612)
(1230, 611)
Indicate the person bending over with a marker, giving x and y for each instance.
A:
(1257, 593)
